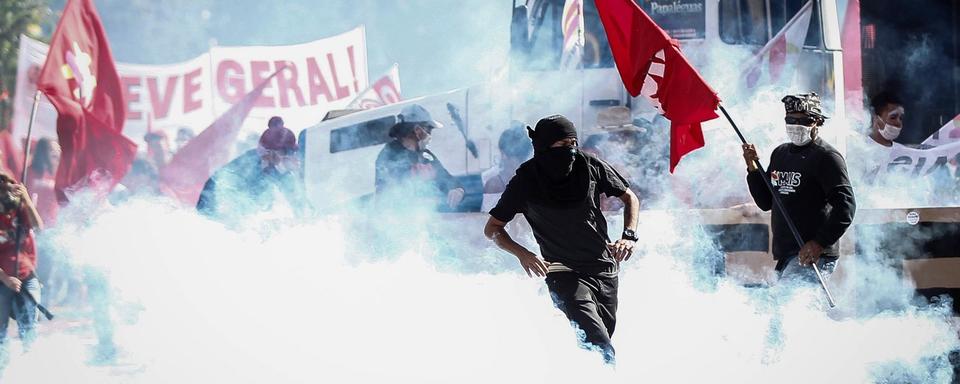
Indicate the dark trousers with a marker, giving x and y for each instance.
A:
(590, 302)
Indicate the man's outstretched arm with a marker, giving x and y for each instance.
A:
(496, 230)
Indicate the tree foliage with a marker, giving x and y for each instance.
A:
(16, 18)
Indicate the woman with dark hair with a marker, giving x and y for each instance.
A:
(41, 176)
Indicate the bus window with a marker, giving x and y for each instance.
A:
(544, 47)
(815, 33)
(744, 22)
(546, 40)
(596, 53)
(781, 11)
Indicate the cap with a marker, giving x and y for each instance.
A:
(807, 103)
(414, 113)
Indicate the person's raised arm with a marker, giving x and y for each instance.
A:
(29, 209)
(761, 195)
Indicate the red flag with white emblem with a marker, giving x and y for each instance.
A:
(384, 91)
(650, 63)
(81, 81)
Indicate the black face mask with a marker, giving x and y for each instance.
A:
(556, 162)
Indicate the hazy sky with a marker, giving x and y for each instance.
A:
(439, 44)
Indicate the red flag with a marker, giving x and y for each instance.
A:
(81, 81)
(11, 155)
(193, 164)
(650, 63)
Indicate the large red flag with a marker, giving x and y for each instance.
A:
(650, 63)
(192, 165)
(82, 83)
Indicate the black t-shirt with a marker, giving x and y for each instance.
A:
(573, 235)
(813, 186)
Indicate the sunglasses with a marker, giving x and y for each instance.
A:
(806, 121)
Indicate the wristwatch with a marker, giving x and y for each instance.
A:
(629, 234)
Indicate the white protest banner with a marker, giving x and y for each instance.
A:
(923, 162)
(949, 133)
(30, 60)
(385, 90)
(326, 74)
(174, 96)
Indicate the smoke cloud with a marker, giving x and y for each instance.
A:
(192, 300)
(362, 295)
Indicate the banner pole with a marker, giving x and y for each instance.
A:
(26, 146)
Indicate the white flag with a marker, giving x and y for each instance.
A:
(384, 91)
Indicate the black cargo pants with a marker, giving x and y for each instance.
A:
(590, 302)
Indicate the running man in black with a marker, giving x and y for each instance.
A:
(810, 177)
(558, 192)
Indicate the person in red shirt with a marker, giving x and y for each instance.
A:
(41, 178)
(18, 216)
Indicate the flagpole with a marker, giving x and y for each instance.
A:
(779, 206)
(18, 233)
(26, 146)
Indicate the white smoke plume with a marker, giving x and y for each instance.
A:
(368, 296)
(193, 301)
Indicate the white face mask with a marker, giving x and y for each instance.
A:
(423, 142)
(799, 134)
(890, 132)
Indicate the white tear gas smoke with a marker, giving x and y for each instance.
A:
(369, 296)
(193, 301)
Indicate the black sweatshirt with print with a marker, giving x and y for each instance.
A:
(812, 183)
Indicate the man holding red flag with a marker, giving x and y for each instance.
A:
(81, 81)
(650, 63)
(810, 177)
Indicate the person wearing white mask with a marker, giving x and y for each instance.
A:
(405, 168)
(810, 178)
(869, 153)
(887, 120)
